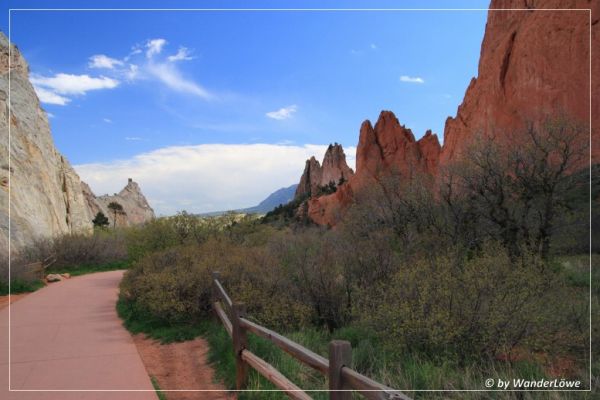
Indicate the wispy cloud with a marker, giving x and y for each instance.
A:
(133, 138)
(411, 79)
(154, 46)
(50, 115)
(49, 97)
(283, 113)
(172, 78)
(102, 61)
(373, 46)
(183, 54)
(70, 84)
(59, 89)
(244, 173)
(107, 120)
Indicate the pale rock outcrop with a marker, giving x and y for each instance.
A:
(45, 192)
(135, 206)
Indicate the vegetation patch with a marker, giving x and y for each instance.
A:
(20, 286)
(77, 270)
(161, 395)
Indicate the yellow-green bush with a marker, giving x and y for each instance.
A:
(483, 305)
(175, 285)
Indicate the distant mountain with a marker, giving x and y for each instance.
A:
(280, 196)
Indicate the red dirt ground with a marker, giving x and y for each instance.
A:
(181, 366)
(13, 298)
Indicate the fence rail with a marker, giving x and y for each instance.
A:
(342, 379)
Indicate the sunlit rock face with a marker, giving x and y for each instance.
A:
(334, 169)
(136, 209)
(534, 65)
(45, 192)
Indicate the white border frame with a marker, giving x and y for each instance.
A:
(589, 10)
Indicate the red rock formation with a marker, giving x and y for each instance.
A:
(534, 64)
(334, 168)
(385, 149)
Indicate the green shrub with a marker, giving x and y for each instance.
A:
(71, 251)
(484, 305)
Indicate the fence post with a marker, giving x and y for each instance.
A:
(340, 355)
(214, 294)
(240, 342)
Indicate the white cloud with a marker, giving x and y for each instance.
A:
(132, 72)
(207, 177)
(373, 46)
(107, 120)
(52, 90)
(283, 113)
(50, 115)
(182, 55)
(172, 78)
(49, 97)
(411, 79)
(69, 84)
(102, 61)
(133, 138)
(154, 47)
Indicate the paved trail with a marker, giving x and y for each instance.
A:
(68, 336)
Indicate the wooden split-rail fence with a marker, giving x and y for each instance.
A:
(342, 379)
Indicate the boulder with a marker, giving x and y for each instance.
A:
(53, 278)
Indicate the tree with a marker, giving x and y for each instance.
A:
(100, 220)
(117, 209)
(521, 188)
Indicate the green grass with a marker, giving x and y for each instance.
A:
(20, 286)
(370, 357)
(78, 270)
(161, 395)
(137, 321)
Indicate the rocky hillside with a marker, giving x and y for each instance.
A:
(315, 177)
(47, 198)
(45, 192)
(533, 65)
(136, 209)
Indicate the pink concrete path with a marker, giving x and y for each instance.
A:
(67, 336)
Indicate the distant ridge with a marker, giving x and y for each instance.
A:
(278, 197)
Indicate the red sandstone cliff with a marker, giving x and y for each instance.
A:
(386, 148)
(334, 168)
(534, 64)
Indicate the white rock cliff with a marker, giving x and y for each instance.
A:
(45, 191)
(47, 197)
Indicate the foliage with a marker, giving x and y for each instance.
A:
(329, 188)
(137, 321)
(284, 214)
(161, 395)
(85, 269)
(436, 282)
(20, 286)
(100, 220)
(77, 250)
(117, 209)
(484, 305)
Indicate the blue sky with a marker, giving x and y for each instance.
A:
(125, 87)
